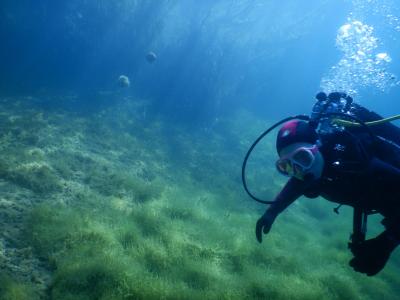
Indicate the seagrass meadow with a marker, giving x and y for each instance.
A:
(120, 204)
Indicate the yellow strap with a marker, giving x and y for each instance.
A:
(372, 123)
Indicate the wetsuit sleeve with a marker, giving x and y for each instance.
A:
(293, 189)
(384, 172)
(385, 181)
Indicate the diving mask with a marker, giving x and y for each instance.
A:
(298, 162)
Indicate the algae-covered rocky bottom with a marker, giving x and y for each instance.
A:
(120, 203)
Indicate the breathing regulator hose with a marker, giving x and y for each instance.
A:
(299, 117)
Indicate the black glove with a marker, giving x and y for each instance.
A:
(264, 225)
(370, 256)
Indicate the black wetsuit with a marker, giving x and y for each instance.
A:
(358, 171)
(361, 170)
(373, 184)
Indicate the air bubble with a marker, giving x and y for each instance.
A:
(360, 65)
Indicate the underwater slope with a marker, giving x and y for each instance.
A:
(119, 204)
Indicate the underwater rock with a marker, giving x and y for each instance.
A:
(123, 81)
(151, 57)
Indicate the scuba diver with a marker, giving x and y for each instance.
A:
(345, 154)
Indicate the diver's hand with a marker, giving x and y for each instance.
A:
(371, 256)
(264, 225)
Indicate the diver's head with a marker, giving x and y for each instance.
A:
(298, 152)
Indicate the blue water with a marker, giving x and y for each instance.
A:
(212, 57)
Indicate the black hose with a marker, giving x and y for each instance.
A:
(299, 117)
